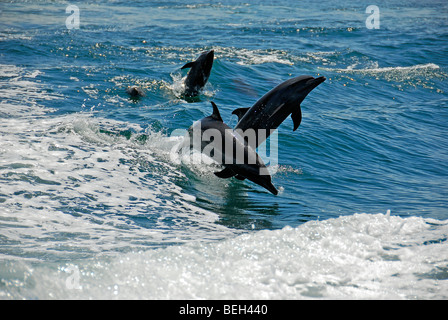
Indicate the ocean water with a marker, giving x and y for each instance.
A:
(93, 204)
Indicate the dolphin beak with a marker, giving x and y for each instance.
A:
(211, 54)
(313, 83)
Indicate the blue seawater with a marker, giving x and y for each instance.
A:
(93, 205)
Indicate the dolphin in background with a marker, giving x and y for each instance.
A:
(230, 150)
(275, 106)
(199, 73)
(135, 91)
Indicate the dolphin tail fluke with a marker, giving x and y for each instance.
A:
(225, 174)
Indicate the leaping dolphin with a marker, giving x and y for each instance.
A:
(275, 106)
(229, 149)
(199, 73)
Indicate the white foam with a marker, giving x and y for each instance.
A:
(250, 57)
(254, 57)
(63, 160)
(68, 175)
(18, 92)
(375, 69)
(178, 84)
(242, 56)
(353, 257)
(421, 75)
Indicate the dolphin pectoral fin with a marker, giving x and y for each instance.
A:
(240, 177)
(216, 115)
(240, 112)
(225, 174)
(296, 117)
(188, 65)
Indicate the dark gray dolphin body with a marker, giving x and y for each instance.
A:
(275, 106)
(229, 150)
(199, 73)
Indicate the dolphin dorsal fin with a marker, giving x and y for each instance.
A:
(188, 65)
(216, 115)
